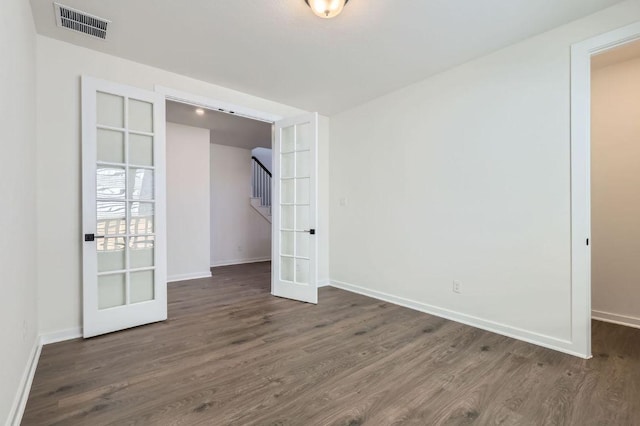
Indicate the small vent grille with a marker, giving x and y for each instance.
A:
(76, 20)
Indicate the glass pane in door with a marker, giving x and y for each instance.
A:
(295, 186)
(110, 110)
(110, 146)
(111, 254)
(111, 291)
(125, 197)
(140, 150)
(140, 116)
(141, 251)
(141, 286)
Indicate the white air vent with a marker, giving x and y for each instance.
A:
(76, 20)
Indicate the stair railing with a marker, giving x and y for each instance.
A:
(260, 182)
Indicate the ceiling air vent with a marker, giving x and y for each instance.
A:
(76, 20)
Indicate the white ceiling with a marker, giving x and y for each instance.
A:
(626, 52)
(226, 129)
(279, 50)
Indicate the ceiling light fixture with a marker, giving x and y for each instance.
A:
(326, 8)
(200, 111)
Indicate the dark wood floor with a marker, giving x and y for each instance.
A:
(231, 354)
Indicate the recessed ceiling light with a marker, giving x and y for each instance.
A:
(200, 111)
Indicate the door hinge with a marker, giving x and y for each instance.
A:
(587, 241)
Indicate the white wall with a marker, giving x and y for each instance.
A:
(239, 234)
(59, 212)
(18, 301)
(187, 202)
(615, 185)
(465, 176)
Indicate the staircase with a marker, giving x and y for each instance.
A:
(261, 188)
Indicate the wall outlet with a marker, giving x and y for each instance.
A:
(240, 249)
(457, 287)
(343, 201)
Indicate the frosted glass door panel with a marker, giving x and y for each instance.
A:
(288, 238)
(111, 291)
(302, 271)
(288, 165)
(302, 191)
(288, 142)
(287, 191)
(287, 217)
(304, 136)
(111, 254)
(141, 252)
(110, 146)
(141, 286)
(140, 150)
(110, 110)
(287, 268)
(140, 116)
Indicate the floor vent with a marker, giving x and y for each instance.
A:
(76, 20)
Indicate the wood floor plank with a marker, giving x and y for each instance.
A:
(232, 354)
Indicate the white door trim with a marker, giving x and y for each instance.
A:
(216, 104)
(581, 178)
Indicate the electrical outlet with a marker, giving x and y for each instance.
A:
(343, 201)
(240, 249)
(457, 287)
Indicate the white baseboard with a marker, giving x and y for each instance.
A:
(191, 276)
(324, 283)
(239, 261)
(616, 318)
(549, 342)
(61, 335)
(20, 400)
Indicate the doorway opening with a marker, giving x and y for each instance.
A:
(293, 195)
(219, 168)
(584, 235)
(615, 185)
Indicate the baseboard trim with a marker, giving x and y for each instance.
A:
(61, 335)
(324, 283)
(20, 401)
(561, 345)
(616, 318)
(240, 261)
(186, 277)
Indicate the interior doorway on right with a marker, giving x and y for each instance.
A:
(615, 185)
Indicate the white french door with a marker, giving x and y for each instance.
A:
(124, 223)
(294, 253)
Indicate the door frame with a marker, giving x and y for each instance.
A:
(581, 54)
(222, 106)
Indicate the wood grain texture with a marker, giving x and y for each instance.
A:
(232, 354)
